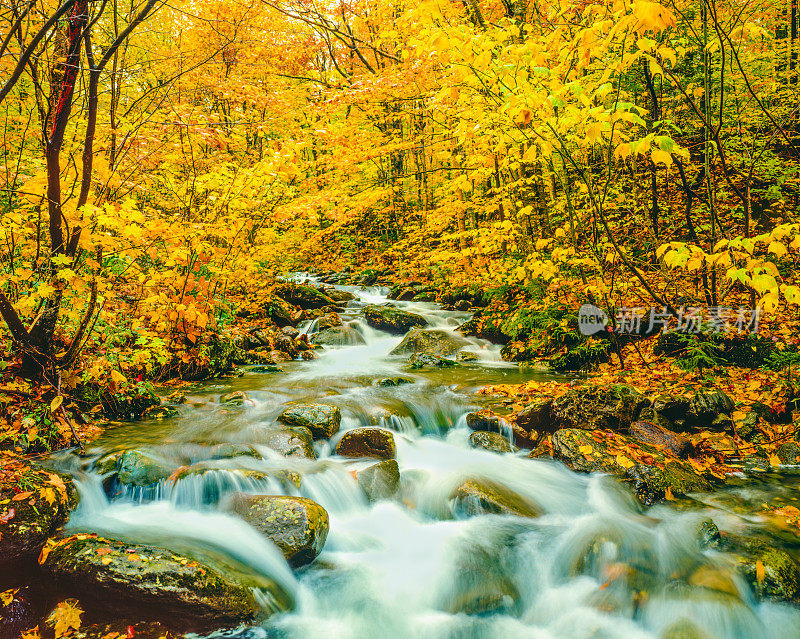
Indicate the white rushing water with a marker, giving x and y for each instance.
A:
(593, 566)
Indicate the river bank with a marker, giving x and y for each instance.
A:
(443, 511)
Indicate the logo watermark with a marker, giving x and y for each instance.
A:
(689, 319)
(591, 319)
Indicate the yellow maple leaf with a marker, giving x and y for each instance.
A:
(66, 617)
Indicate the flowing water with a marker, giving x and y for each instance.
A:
(594, 565)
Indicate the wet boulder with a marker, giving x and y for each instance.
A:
(305, 297)
(781, 573)
(379, 481)
(421, 360)
(367, 442)
(481, 496)
(135, 580)
(595, 408)
(493, 442)
(230, 451)
(330, 320)
(392, 320)
(467, 356)
(650, 471)
(486, 420)
(285, 344)
(338, 336)
(536, 417)
(430, 342)
(393, 381)
(289, 441)
(321, 419)
(659, 436)
(296, 525)
(34, 503)
(338, 295)
(139, 468)
(233, 399)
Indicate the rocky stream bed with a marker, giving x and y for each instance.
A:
(367, 491)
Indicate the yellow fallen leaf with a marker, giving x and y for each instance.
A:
(624, 461)
(56, 403)
(66, 617)
(585, 450)
(8, 596)
(760, 570)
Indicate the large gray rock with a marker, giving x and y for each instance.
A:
(296, 525)
(430, 342)
(321, 419)
(137, 580)
(392, 320)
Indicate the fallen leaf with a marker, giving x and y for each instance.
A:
(7, 596)
(21, 496)
(760, 570)
(66, 617)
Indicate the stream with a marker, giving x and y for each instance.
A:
(594, 565)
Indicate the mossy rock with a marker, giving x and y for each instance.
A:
(671, 407)
(580, 451)
(321, 419)
(231, 451)
(290, 441)
(367, 442)
(278, 310)
(265, 368)
(430, 342)
(233, 399)
(392, 320)
(337, 295)
(789, 453)
(481, 496)
(25, 524)
(781, 572)
(706, 407)
(296, 525)
(380, 481)
(338, 336)
(304, 297)
(138, 580)
(138, 468)
(493, 442)
(596, 408)
(393, 381)
(484, 420)
(423, 360)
